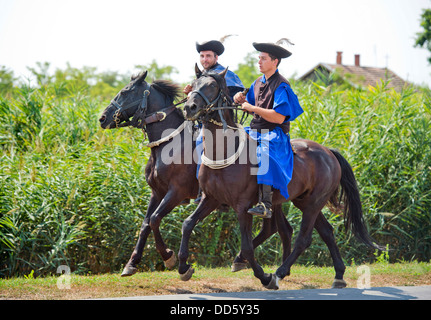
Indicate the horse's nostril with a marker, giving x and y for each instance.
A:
(102, 119)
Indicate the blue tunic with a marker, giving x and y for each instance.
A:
(274, 151)
(232, 80)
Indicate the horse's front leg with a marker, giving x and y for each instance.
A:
(205, 207)
(247, 250)
(168, 203)
(131, 266)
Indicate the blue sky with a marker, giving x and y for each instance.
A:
(117, 35)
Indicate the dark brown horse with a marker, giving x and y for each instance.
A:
(170, 170)
(317, 176)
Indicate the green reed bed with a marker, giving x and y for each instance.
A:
(74, 194)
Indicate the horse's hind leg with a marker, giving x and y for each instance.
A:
(131, 266)
(278, 222)
(325, 231)
(269, 227)
(285, 230)
(302, 242)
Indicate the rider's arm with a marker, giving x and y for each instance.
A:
(269, 115)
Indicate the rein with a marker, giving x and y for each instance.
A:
(188, 124)
(160, 116)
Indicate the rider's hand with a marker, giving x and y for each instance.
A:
(187, 89)
(239, 98)
(248, 107)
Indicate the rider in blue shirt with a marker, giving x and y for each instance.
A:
(273, 105)
(208, 55)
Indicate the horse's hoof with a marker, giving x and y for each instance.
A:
(187, 275)
(129, 271)
(237, 266)
(170, 263)
(339, 284)
(273, 284)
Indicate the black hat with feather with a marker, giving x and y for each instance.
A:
(274, 48)
(213, 45)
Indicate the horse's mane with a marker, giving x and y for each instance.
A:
(168, 88)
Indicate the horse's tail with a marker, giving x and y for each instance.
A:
(349, 195)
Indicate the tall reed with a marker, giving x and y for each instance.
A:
(74, 194)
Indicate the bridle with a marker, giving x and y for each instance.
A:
(140, 118)
(218, 104)
(210, 104)
(220, 101)
(121, 110)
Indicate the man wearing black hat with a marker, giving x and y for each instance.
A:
(273, 105)
(208, 54)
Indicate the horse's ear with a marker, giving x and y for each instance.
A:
(197, 71)
(223, 73)
(142, 76)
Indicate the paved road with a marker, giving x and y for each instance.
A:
(383, 293)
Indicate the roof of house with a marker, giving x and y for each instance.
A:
(361, 76)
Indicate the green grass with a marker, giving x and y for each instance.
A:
(205, 280)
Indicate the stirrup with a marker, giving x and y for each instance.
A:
(261, 210)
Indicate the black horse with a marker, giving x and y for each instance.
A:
(317, 176)
(152, 108)
(171, 168)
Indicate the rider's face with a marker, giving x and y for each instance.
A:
(208, 59)
(266, 64)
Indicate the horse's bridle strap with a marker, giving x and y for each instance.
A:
(122, 110)
(159, 115)
(209, 104)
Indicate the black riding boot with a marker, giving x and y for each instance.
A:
(263, 208)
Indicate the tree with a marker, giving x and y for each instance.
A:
(248, 71)
(109, 83)
(424, 38)
(78, 78)
(155, 72)
(42, 76)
